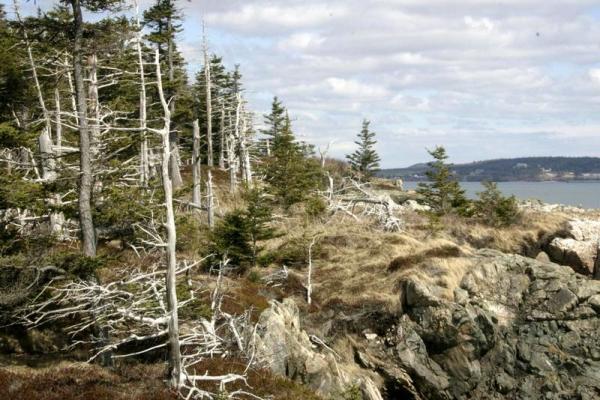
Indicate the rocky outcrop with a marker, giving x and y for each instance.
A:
(517, 328)
(287, 350)
(580, 250)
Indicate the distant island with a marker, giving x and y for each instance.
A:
(511, 169)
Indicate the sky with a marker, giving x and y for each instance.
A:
(484, 78)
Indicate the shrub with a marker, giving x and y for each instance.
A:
(495, 209)
(231, 239)
(443, 193)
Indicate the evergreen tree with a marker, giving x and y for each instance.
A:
(495, 209)
(276, 120)
(443, 192)
(258, 216)
(364, 161)
(290, 175)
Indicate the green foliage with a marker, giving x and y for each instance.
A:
(11, 137)
(276, 120)
(238, 233)
(495, 209)
(16, 192)
(365, 161)
(258, 216)
(290, 175)
(315, 206)
(121, 207)
(191, 234)
(254, 277)
(231, 239)
(77, 264)
(194, 309)
(443, 192)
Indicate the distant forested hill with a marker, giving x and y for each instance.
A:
(513, 169)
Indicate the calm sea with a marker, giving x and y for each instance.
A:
(579, 193)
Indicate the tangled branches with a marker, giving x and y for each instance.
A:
(358, 200)
(132, 316)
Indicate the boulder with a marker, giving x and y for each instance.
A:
(579, 255)
(581, 249)
(287, 350)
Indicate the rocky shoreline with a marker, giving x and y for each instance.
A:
(516, 327)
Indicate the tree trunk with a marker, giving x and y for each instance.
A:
(175, 371)
(95, 111)
(86, 222)
(222, 138)
(47, 156)
(175, 173)
(209, 155)
(144, 163)
(196, 165)
(58, 139)
(36, 82)
(210, 204)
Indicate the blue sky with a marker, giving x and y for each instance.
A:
(485, 78)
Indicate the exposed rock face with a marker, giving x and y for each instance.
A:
(288, 351)
(580, 251)
(518, 329)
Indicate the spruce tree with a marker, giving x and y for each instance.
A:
(290, 175)
(275, 120)
(365, 160)
(443, 192)
(258, 215)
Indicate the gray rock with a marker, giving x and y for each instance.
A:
(504, 383)
(561, 301)
(286, 350)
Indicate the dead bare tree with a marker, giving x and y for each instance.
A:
(310, 270)
(196, 164)
(207, 78)
(144, 161)
(210, 201)
(174, 347)
(34, 73)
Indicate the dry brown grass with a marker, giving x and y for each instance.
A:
(130, 381)
(355, 264)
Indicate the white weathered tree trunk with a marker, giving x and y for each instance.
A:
(207, 78)
(58, 138)
(72, 91)
(245, 152)
(196, 177)
(222, 138)
(210, 203)
(173, 325)
(95, 106)
(47, 155)
(144, 162)
(36, 81)
(310, 271)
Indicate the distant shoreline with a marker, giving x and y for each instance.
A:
(511, 181)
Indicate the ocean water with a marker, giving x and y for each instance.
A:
(584, 194)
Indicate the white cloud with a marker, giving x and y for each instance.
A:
(354, 89)
(481, 24)
(595, 75)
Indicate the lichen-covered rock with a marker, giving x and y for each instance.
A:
(518, 328)
(287, 350)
